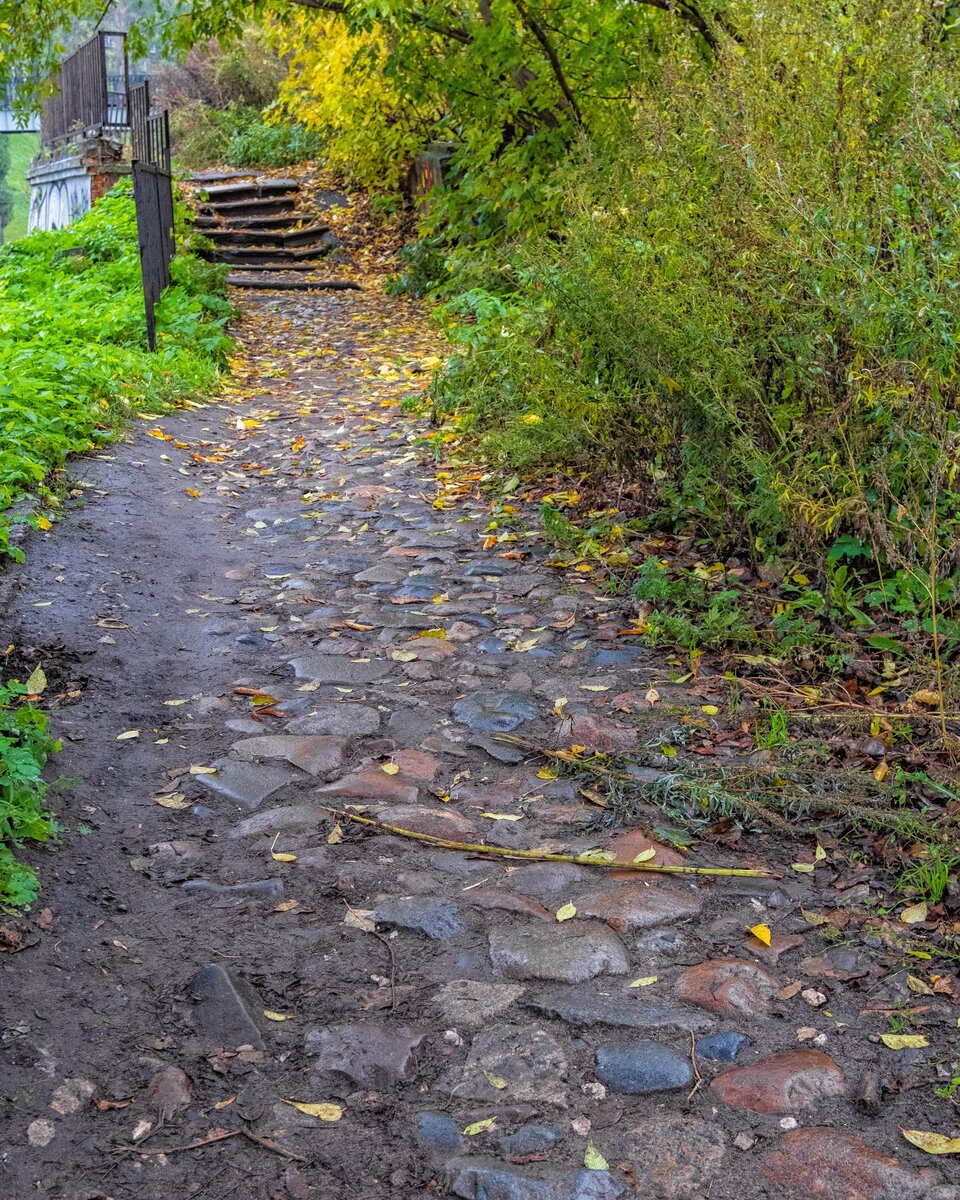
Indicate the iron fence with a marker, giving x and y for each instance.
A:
(153, 197)
(92, 88)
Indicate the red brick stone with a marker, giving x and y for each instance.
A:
(639, 905)
(415, 765)
(788, 1082)
(435, 822)
(373, 783)
(676, 1157)
(731, 987)
(491, 897)
(829, 1164)
(598, 733)
(626, 846)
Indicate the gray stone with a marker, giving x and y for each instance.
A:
(290, 816)
(495, 712)
(528, 1139)
(371, 1054)
(469, 1002)
(314, 753)
(271, 889)
(527, 1059)
(723, 1047)
(338, 720)
(438, 919)
(499, 751)
(636, 1068)
(326, 668)
(228, 1008)
(244, 783)
(669, 942)
(482, 1178)
(382, 572)
(581, 1006)
(572, 952)
(437, 1132)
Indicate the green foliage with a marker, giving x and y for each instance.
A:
(24, 748)
(73, 358)
(23, 149)
(237, 135)
(6, 191)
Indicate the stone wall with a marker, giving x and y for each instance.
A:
(64, 187)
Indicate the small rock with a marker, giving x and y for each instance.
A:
(723, 1047)
(71, 1095)
(438, 919)
(730, 987)
(495, 712)
(787, 1123)
(814, 998)
(676, 1157)
(597, 733)
(171, 1091)
(636, 1068)
(438, 1133)
(745, 1141)
(581, 1006)
(373, 783)
(276, 820)
(626, 847)
(569, 953)
(315, 753)
(41, 1133)
(830, 1164)
(470, 1003)
(370, 1054)
(639, 905)
(792, 1081)
(527, 1060)
(498, 750)
(244, 783)
(228, 1009)
(493, 897)
(440, 822)
(338, 720)
(482, 1178)
(528, 1139)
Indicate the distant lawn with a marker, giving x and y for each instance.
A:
(23, 148)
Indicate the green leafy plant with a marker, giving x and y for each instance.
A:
(25, 746)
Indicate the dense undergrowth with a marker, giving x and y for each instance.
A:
(750, 310)
(74, 362)
(74, 367)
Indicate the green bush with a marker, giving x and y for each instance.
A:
(239, 136)
(73, 357)
(24, 748)
(752, 304)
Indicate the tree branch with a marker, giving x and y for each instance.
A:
(687, 12)
(455, 33)
(540, 34)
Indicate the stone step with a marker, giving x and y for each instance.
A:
(274, 283)
(254, 206)
(276, 257)
(256, 236)
(245, 189)
(280, 220)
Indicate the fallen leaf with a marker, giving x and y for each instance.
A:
(928, 697)
(479, 1126)
(645, 981)
(390, 769)
(195, 770)
(547, 773)
(225, 1103)
(502, 816)
(335, 836)
(125, 737)
(283, 857)
(594, 687)
(918, 986)
(36, 683)
(804, 868)
(593, 1160)
(914, 914)
(761, 933)
(653, 695)
(904, 1041)
(566, 911)
(324, 1110)
(932, 1143)
(177, 800)
(646, 855)
(287, 906)
(495, 1080)
(360, 918)
(404, 656)
(275, 1016)
(710, 709)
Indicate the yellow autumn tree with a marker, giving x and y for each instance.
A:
(337, 87)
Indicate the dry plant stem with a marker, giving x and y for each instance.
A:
(221, 1136)
(582, 860)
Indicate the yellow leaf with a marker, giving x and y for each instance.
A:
(559, 705)
(761, 933)
(335, 836)
(523, 647)
(44, 523)
(710, 709)
(547, 773)
(404, 656)
(646, 855)
(803, 868)
(881, 770)
(594, 687)
(914, 914)
(502, 816)
(283, 857)
(274, 1016)
(668, 751)
(495, 1080)
(390, 769)
(593, 1160)
(125, 737)
(566, 911)
(652, 696)
(177, 800)
(932, 1143)
(36, 683)
(479, 1126)
(918, 986)
(224, 1103)
(324, 1110)
(192, 492)
(195, 770)
(645, 981)
(287, 906)
(819, 854)
(928, 697)
(904, 1041)
(174, 703)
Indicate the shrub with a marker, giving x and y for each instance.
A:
(752, 304)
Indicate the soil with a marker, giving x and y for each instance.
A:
(214, 548)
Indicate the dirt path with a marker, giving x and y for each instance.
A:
(193, 976)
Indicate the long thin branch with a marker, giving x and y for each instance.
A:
(540, 34)
(688, 13)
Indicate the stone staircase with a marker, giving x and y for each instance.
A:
(259, 228)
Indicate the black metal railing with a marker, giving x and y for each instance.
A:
(92, 89)
(149, 131)
(153, 196)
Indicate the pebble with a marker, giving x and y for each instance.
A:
(636, 1068)
(568, 953)
(228, 1008)
(791, 1081)
(438, 1133)
(470, 1002)
(722, 1047)
(41, 1132)
(270, 889)
(314, 753)
(371, 1054)
(338, 720)
(245, 783)
(329, 669)
(528, 1139)
(373, 783)
(482, 1178)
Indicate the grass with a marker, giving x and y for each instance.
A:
(23, 148)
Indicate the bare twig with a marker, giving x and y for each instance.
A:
(219, 1135)
(268, 1145)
